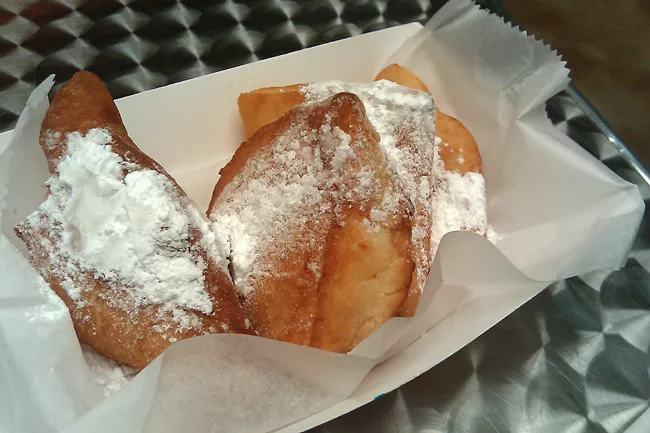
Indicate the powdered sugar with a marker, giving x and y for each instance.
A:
(284, 192)
(458, 204)
(106, 373)
(343, 151)
(51, 308)
(274, 187)
(394, 111)
(128, 228)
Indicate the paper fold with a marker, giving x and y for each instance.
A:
(24, 168)
(557, 212)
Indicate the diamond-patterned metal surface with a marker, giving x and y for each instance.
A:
(575, 358)
(138, 45)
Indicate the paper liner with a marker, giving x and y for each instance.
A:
(557, 211)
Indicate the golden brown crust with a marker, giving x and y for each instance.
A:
(133, 336)
(254, 105)
(81, 104)
(365, 282)
(365, 273)
(458, 149)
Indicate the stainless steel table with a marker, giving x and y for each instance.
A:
(575, 358)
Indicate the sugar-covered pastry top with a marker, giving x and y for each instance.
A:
(288, 190)
(127, 226)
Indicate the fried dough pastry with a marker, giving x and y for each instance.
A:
(318, 231)
(117, 239)
(404, 119)
(456, 148)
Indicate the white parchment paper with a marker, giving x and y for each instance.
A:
(557, 211)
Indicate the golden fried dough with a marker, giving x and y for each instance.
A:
(458, 149)
(262, 106)
(107, 311)
(319, 232)
(256, 107)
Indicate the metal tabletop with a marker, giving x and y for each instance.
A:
(575, 358)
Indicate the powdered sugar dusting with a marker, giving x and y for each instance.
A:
(459, 203)
(51, 309)
(492, 235)
(109, 375)
(128, 227)
(283, 182)
(403, 118)
(285, 191)
(343, 151)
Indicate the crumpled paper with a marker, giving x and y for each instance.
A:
(557, 212)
